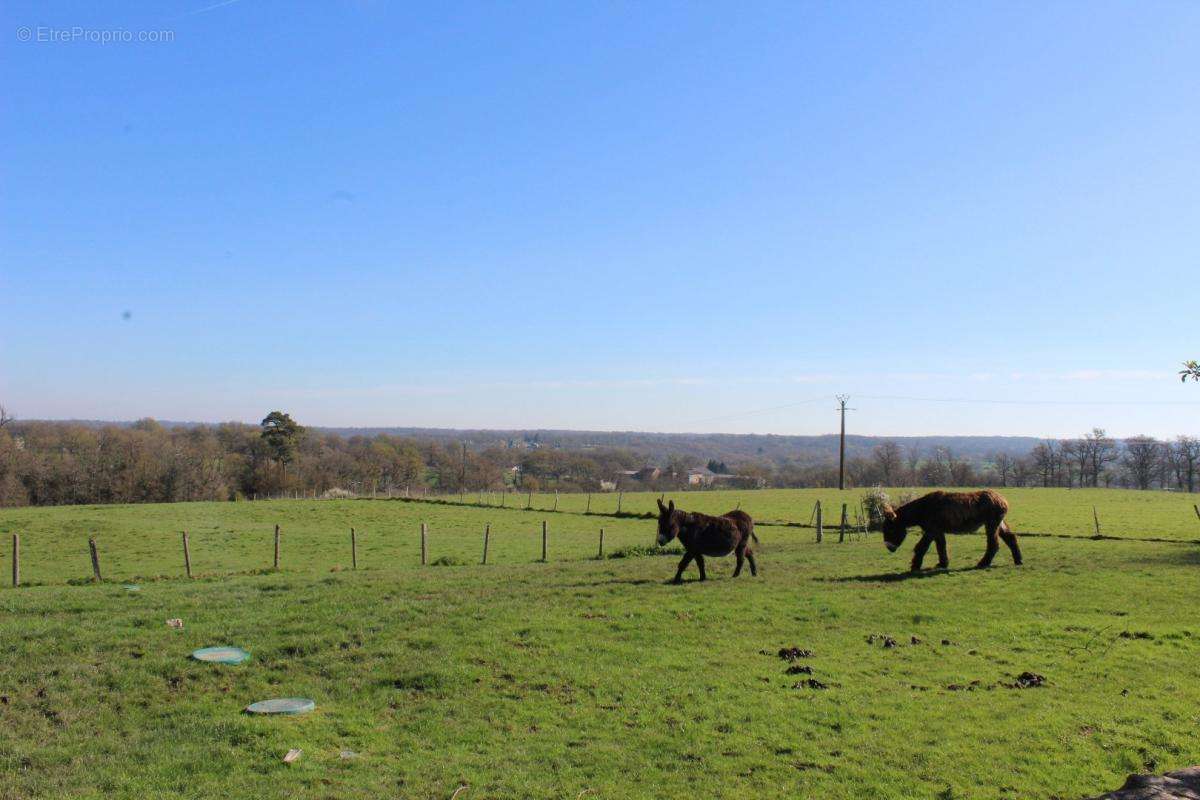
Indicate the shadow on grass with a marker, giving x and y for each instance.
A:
(893, 577)
(609, 582)
(1182, 556)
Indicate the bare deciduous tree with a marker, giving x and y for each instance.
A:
(1101, 450)
(888, 459)
(1004, 467)
(1141, 461)
(1045, 457)
(912, 461)
(1187, 451)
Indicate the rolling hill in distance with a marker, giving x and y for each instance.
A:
(810, 449)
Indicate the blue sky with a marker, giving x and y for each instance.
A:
(652, 216)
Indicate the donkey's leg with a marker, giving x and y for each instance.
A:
(741, 556)
(700, 564)
(993, 544)
(750, 558)
(683, 562)
(919, 551)
(1010, 539)
(943, 555)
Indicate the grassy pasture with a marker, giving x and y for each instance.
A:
(143, 541)
(522, 679)
(1124, 513)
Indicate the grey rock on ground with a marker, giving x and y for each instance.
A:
(1183, 784)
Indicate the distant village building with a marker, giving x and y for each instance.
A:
(642, 475)
(702, 476)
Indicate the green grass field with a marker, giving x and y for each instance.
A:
(524, 679)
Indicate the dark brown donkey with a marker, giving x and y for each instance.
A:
(939, 513)
(702, 535)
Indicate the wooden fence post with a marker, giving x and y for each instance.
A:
(529, 501)
(353, 549)
(487, 535)
(503, 496)
(544, 538)
(276, 547)
(1096, 519)
(187, 556)
(601, 553)
(1196, 508)
(589, 505)
(95, 558)
(842, 531)
(424, 552)
(556, 499)
(620, 496)
(16, 560)
(820, 527)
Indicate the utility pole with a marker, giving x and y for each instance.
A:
(842, 398)
(462, 475)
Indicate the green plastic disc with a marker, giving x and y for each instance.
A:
(131, 587)
(282, 705)
(221, 655)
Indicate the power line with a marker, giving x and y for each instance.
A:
(758, 411)
(986, 401)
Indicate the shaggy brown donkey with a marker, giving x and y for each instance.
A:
(702, 535)
(939, 513)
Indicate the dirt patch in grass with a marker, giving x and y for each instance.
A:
(794, 653)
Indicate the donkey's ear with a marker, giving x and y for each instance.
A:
(672, 505)
(661, 508)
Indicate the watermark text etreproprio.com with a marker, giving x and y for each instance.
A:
(77, 34)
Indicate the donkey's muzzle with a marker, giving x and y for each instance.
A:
(891, 547)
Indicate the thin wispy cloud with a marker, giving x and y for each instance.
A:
(213, 7)
(433, 390)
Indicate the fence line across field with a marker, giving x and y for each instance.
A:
(860, 525)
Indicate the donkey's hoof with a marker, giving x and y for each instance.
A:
(944, 566)
(983, 565)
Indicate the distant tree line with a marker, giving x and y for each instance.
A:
(56, 463)
(1092, 460)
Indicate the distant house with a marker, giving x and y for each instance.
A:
(702, 477)
(608, 486)
(642, 475)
